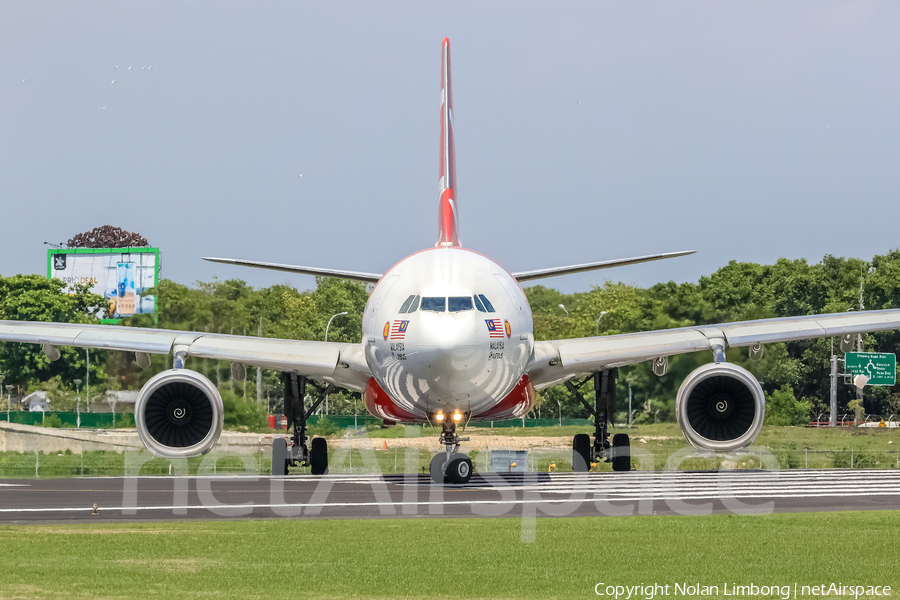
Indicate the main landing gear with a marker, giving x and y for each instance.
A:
(584, 453)
(284, 456)
(451, 466)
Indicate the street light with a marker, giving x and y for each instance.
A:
(77, 383)
(560, 411)
(87, 382)
(9, 390)
(564, 309)
(329, 323)
(602, 312)
(326, 339)
(629, 402)
(2, 376)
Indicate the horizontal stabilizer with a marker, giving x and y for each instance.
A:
(605, 264)
(356, 275)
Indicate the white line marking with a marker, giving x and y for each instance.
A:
(892, 492)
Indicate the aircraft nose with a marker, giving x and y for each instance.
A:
(448, 346)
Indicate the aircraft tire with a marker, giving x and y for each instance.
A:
(318, 457)
(279, 457)
(621, 460)
(436, 469)
(459, 470)
(581, 453)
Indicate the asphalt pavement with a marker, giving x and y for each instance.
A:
(133, 499)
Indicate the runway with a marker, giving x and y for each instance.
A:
(132, 499)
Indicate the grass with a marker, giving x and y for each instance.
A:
(793, 447)
(443, 558)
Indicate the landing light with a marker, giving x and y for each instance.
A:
(439, 417)
(457, 416)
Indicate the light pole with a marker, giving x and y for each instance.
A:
(629, 402)
(77, 383)
(87, 374)
(558, 403)
(9, 390)
(602, 312)
(326, 339)
(2, 377)
(564, 309)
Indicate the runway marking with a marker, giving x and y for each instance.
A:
(401, 504)
(15, 485)
(580, 488)
(515, 502)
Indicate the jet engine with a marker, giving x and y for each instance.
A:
(720, 407)
(179, 414)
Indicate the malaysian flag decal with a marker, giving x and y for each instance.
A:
(398, 331)
(495, 328)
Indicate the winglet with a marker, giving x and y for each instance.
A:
(448, 222)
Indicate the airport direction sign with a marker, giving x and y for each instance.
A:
(879, 367)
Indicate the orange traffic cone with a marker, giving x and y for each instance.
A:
(384, 445)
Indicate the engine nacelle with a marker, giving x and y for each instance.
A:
(720, 407)
(179, 414)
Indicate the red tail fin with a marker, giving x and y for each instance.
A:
(448, 222)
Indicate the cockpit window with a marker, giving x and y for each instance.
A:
(487, 303)
(459, 303)
(479, 304)
(414, 306)
(406, 304)
(434, 304)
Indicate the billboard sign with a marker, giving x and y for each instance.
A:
(879, 367)
(121, 275)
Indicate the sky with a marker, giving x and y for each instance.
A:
(585, 131)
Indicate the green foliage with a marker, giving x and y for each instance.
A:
(36, 298)
(783, 408)
(52, 421)
(242, 414)
(59, 395)
(840, 459)
(324, 427)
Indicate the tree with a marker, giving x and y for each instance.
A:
(783, 408)
(36, 298)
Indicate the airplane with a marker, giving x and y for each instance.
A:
(448, 340)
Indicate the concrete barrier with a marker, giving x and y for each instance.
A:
(15, 437)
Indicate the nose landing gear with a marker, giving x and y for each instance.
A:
(451, 466)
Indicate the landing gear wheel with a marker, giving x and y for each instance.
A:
(279, 457)
(459, 470)
(437, 468)
(318, 457)
(621, 452)
(581, 453)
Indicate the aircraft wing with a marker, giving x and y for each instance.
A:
(318, 271)
(603, 264)
(338, 363)
(555, 361)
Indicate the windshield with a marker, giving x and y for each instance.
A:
(459, 303)
(487, 303)
(406, 304)
(434, 304)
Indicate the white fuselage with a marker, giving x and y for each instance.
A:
(449, 350)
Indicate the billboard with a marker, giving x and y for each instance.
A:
(121, 275)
